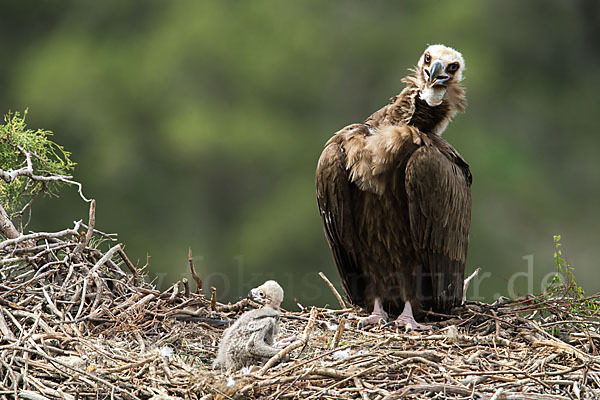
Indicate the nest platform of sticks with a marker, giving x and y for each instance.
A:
(77, 322)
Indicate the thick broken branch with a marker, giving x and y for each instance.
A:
(7, 228)
(193, 272)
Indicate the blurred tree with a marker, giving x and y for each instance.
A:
(199, 123)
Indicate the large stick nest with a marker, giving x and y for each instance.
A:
(77, 322)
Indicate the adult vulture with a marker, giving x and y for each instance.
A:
(395, 198)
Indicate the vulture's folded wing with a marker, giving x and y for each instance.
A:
(334, 198)
(439, 201)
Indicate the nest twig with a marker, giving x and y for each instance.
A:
(78, 322)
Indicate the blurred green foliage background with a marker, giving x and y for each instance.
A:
(199, 124)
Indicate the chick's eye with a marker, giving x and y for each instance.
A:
(453, 67)
(427, 58)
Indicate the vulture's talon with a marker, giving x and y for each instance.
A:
(389, 324)
(371, 320)
(409, 324)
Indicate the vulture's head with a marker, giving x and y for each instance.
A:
(439, 68)
(269, 293)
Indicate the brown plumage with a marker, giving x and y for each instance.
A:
(395, 197)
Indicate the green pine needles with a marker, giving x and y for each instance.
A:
(564, 281)
(566, 299)
(30, 164)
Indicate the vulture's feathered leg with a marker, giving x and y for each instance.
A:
(378, 315)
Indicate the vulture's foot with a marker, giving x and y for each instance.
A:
(377, 316)
(407, 320)
(371, 320)
(409, 323)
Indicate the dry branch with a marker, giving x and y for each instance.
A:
(193, 272)
(90, 231)
(41, 235)
(333, 289)
(466, 283)
(339, 332)
(130, 266)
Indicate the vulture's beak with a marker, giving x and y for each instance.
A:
(436, 74)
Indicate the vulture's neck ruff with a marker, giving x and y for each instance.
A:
(432, 97)
(416, 111)
(426, 118)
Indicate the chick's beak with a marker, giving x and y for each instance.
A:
(436, 74)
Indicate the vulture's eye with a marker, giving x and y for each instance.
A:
(453, 67)
(427, 58)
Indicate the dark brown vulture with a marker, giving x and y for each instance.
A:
(395, 198)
